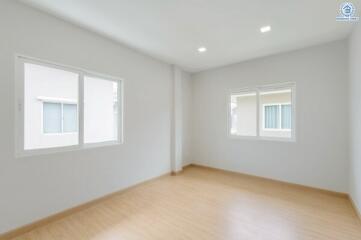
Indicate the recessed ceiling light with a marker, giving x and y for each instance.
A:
(265, 29)
(202, 49)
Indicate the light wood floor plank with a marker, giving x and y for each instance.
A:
(204, 204)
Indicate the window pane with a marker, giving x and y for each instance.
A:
(272, 121)
(70, 118)
(43, 85)
(52, 117)
(100, 110)
(244, 114)
(286, 116)
(271, 115)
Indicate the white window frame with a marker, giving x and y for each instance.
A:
(258, 90)
(279, 105)
(70, 102)
(20, 151)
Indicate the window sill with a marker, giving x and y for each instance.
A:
(57, 150)
(256, 138)
(276, 130)
(60, 134)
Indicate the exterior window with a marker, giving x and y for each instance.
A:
(52, 118)
(60, 118)
(264, 112)
(286, 116)
(271, 117)
(61, 107)
(277, 116)
(70, 118)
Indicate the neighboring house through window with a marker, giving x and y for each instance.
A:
(264, 112)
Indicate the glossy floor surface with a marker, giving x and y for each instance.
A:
(205, 204)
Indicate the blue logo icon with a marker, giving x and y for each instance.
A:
(347, 12)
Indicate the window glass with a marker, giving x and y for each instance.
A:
(244, 114)
(45, 88)
(266, 112)
(70, 119)
(100, 110)
(52, 117)
(271, 116)
(275, 113)
(286, 116)
(49, 108)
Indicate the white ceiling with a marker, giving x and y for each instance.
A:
(172, 30)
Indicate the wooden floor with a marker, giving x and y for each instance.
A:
(205, 204)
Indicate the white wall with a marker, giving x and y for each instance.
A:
(319, 158)
(34, 187)
(186, 118)
(355, 112)
(181, 119)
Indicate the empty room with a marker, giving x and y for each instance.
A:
(180, 119)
